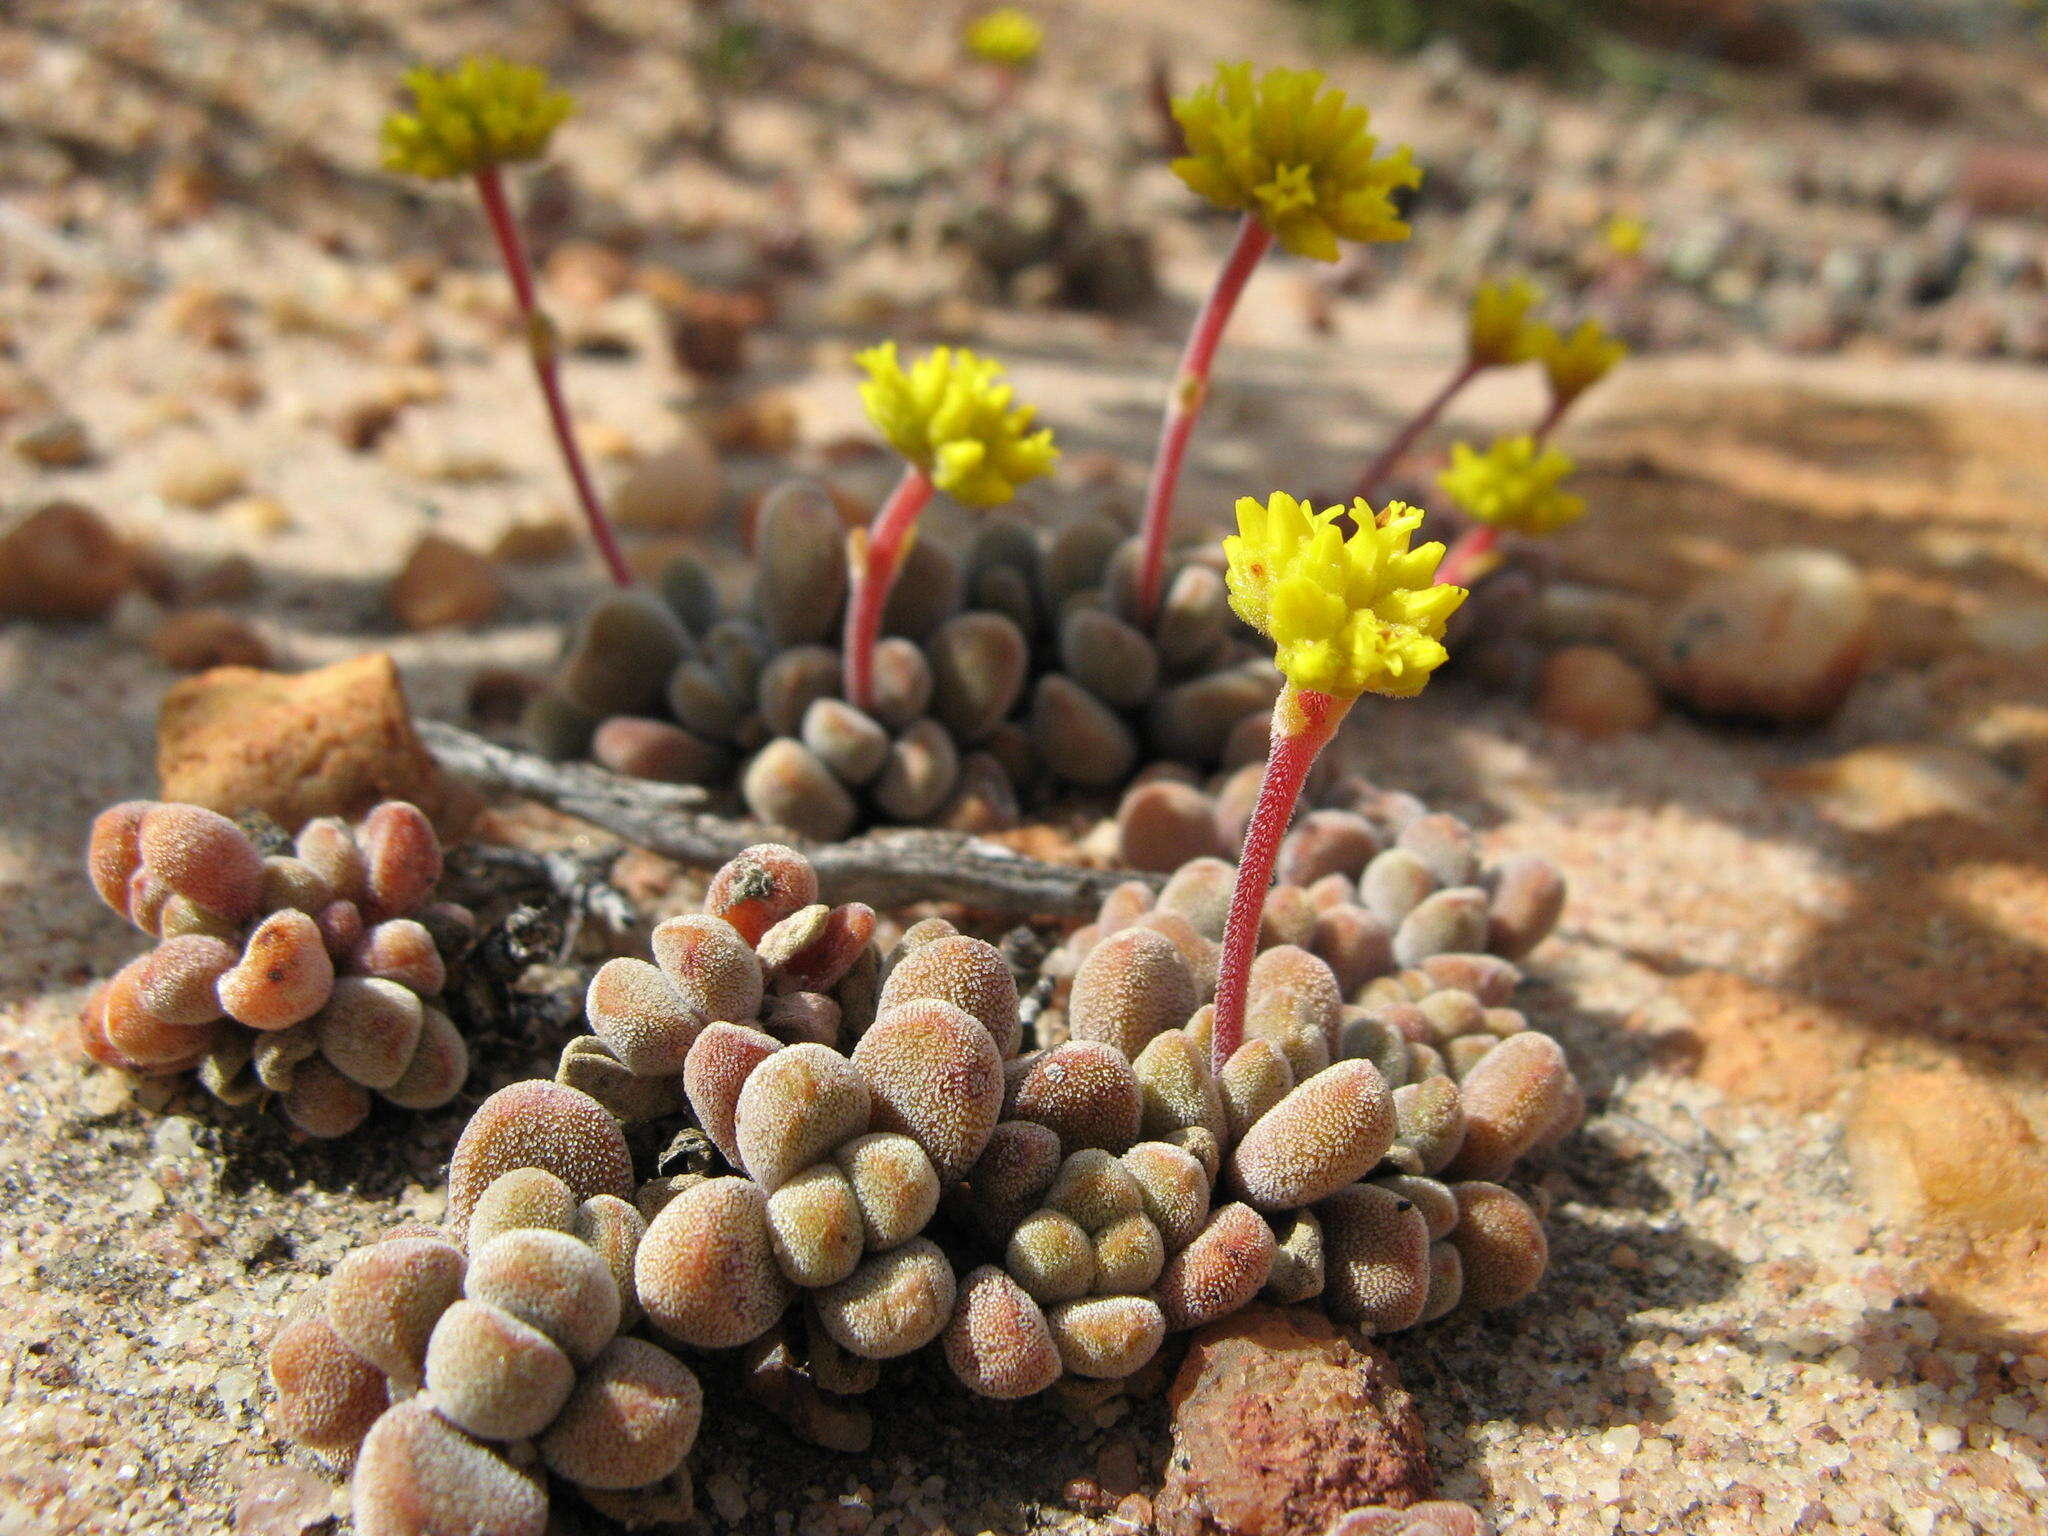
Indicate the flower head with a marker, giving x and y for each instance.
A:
(1625, 235)
(1347, 615)
(1005, 36)
(1578, 359)
(952, 417)
(1513, 485)
(484, 112)
(1498, 330)
(1295, 156)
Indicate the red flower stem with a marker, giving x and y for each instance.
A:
(1551, 418)
(540, 343)
(1002, 111)
(1304, 722)
(1471, 547)
(875, 554)
(1190, 390)
(1390, 457)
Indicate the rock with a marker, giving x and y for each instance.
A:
(677, 489)
(767, 423)
(584, 274)
(1948, 1146)
(1782, 637)
(1281, 1423)
(58, 442)
(284, 1501)
(196, 474)
(327, 743)
(709, 330)
(260, 517)
(444, 585)
(535, 539)
(1595, 691)
(363, 423)
(62, 561)
(199, 638)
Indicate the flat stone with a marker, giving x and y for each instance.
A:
(1282, 1421)
(327, 743)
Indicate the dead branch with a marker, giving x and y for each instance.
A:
(884, 869)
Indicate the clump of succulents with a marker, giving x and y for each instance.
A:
(460, 1364)
(886, 1158)
(994, 681)
(306, 976)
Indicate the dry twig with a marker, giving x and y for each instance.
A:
(885, 869)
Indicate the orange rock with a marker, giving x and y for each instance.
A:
(62, 561)
(1780, 637)
(197, 474)
(199, 638)
(1282, 1422)
(444, 585)
(675, 490)
(1952, 1151)
(535, 540)
(327, 743)
(709, 332)
(584, 274)
(1595, 691)
(1942, 1145)
(763, 423)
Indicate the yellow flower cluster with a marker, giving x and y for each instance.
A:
(1346, 615)
(1005, 36)
(1625, 235)
(1498, 330)
(1514, 485)
(1578, 359)
(951, 415)
(486, 111)
(1297, 157)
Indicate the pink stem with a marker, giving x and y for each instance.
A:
(875, 556)
(1002, 112)
(1303, 724)
(540, 341)
(1550, 420)
(1190, 389)
(1390, 457)
(1471, 547)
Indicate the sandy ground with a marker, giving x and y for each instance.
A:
(1788, 957)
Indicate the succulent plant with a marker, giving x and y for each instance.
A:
(923, 1170)
(1018, 672)
(307, 977)
(497, 1344)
